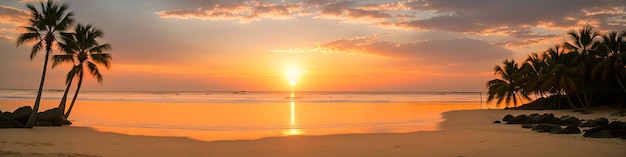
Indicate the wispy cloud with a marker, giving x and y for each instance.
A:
(243, 12)
(425, 53)
(510, 18)
(11, 18)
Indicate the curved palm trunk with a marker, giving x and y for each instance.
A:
(80, 82)
(33, 115)
(64, 99)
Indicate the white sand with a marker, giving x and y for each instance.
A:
(464, 133)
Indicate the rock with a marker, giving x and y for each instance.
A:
(5, 122)
(53, 116)
(602, 134)
(528, 125)
(569, 121)
(496, 122)
(43, 123)
(545, 118)
(67, 122)
(17, 124)
(596, 122)
(517, 119)
(22, 114)
(619, 133)
(594, 130)
(572, 129)
(559, 130)
(507, 117)
(8, 114)
(616, 125)
(545, 127)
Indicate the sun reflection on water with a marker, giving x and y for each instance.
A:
(294, 130)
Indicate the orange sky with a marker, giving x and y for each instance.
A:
(339, 45)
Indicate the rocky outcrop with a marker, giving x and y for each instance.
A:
(22, 114)
(51, 117)
(549, 123)
(19, 117)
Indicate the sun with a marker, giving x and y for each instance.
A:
(292, 74)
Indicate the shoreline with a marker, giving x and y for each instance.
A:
(463, 133)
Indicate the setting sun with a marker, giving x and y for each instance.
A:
(292, 74)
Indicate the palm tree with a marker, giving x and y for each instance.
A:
(57, 59)
(613, 59)
(83, 50)
(534, 67)
(559, 77)
(506, 88)
(44, 27)
(583, 40)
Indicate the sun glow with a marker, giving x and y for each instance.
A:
(292, 74)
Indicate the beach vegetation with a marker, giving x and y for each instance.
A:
(44, 29)
(588, 70)
(82, 49)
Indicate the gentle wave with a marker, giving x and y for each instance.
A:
(247, 97)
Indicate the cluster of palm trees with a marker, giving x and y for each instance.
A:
(80, 48)
(588, 70)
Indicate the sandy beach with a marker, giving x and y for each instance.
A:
(464, 133)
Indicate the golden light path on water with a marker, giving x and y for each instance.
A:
(292, 118)
(211, 121)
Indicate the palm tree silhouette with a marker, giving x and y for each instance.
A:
(506, 88)
(84, 52)
(44, 28)
(613, 58)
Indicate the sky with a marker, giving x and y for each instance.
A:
(318, 45)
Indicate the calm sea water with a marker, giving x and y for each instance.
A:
(237, 115)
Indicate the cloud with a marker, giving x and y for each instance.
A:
(240, 11)
(424, 53)
(11, 18)
(511, 18)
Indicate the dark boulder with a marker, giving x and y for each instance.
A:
(596, 122)
(594, 130)
(528, 125)
(507, 117)
(570, 121)
(616, 125)
(22, 114)
(5, 122)
(43, 123)
(602, 134)
(619, 133)
(53, 116)
(17, 124)
(545, 127)
(558, 130)
(497, 122)
(545, 118)
(572, 129)
(518, 119)
(8, 114)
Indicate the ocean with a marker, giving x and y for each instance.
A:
(243, 115)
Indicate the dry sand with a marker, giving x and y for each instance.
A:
(467, 133)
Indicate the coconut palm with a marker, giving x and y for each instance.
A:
(614, 57)
(44, 28)
(73, 73)
(506, 88)
(559, 78)
(534, 67)
(583, 41)
(85, 52)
